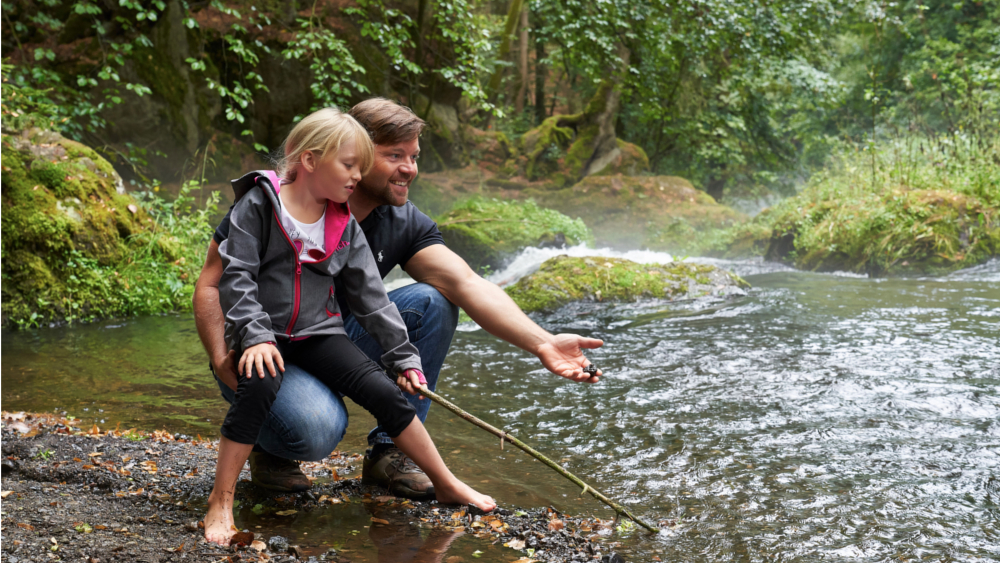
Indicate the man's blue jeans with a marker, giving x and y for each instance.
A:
(308, 420)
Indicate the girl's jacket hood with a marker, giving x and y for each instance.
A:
(268, 294)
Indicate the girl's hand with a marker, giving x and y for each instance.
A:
(258, 355)
(411, 380)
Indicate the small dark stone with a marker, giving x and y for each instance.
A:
(612, 558)
(590, 370)
(278, 544)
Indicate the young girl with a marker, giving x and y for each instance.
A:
(287, 242)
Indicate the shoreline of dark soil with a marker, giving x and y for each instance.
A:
(72, 494)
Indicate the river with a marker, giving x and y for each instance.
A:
(821, 417)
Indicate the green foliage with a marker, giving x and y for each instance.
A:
(76, 250)
(133, 436)
(75, 100)
(445, 47)
(486, 231)
(913, 205)
(331, 63)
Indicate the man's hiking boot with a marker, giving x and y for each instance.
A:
(393, 470)
(277, 473)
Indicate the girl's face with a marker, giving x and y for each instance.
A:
(338, 174)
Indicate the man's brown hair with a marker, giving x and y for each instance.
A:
(387, 122)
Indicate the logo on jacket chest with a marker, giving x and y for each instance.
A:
(380, 257)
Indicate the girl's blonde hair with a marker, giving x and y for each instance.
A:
(323, 133)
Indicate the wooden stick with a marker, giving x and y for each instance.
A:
(504, 436)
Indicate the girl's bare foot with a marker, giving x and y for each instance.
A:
(219, 520)
(460, 493)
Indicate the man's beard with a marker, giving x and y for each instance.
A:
(382, 195)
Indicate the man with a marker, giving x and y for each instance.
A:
(307, 420)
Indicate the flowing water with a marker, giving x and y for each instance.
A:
(821, 417)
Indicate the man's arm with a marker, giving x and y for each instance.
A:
(497, 313)
(210, 319)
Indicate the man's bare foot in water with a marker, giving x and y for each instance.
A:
(219, 520)
(460, 493)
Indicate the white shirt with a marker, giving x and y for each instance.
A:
(305, 237)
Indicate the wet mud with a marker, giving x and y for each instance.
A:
(93, 495)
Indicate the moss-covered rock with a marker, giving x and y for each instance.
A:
(564, 279)
(896, 232)
(487, 231)
(67, 223)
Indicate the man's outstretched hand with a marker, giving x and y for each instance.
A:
(563, 356)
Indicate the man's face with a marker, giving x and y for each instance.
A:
(395, 167)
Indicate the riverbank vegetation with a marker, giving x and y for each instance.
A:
(914, 205)
(487, 231)
(76, 246)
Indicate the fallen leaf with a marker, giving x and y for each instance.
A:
(241, 538)
(99, 527)
(286, 512)
(258, 546)
(174, 549)
(20, 427)
(556, 524)
(525, 560)
(385, 499)
(379, 520)
(25, 526)
(95, 454)
(76, 459)
(515, 544)
(457, 515)
(133, 208)
(5, 494)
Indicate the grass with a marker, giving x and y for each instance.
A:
(912, 205)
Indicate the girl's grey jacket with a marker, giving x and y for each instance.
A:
(267, 293)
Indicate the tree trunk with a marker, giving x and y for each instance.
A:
(540, 71)
(522, 79)
(513, 16)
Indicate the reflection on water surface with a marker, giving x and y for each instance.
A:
(821, 417)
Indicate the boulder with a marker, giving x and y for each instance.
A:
(485, 232)
(565, 279)
(63, 206)
(898, 231)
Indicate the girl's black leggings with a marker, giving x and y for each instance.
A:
(341, 366)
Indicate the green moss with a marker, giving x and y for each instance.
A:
(563, 279)
(946, 216)
(74, 248)
(486, 231)
(545, 145)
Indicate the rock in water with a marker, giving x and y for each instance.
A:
(564, 279)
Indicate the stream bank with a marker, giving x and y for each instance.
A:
(76, 494)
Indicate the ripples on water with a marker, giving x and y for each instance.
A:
(821, 417)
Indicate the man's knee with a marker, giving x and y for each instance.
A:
(307, 419)
(429, 308)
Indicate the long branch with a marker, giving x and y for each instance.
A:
(534, 453)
